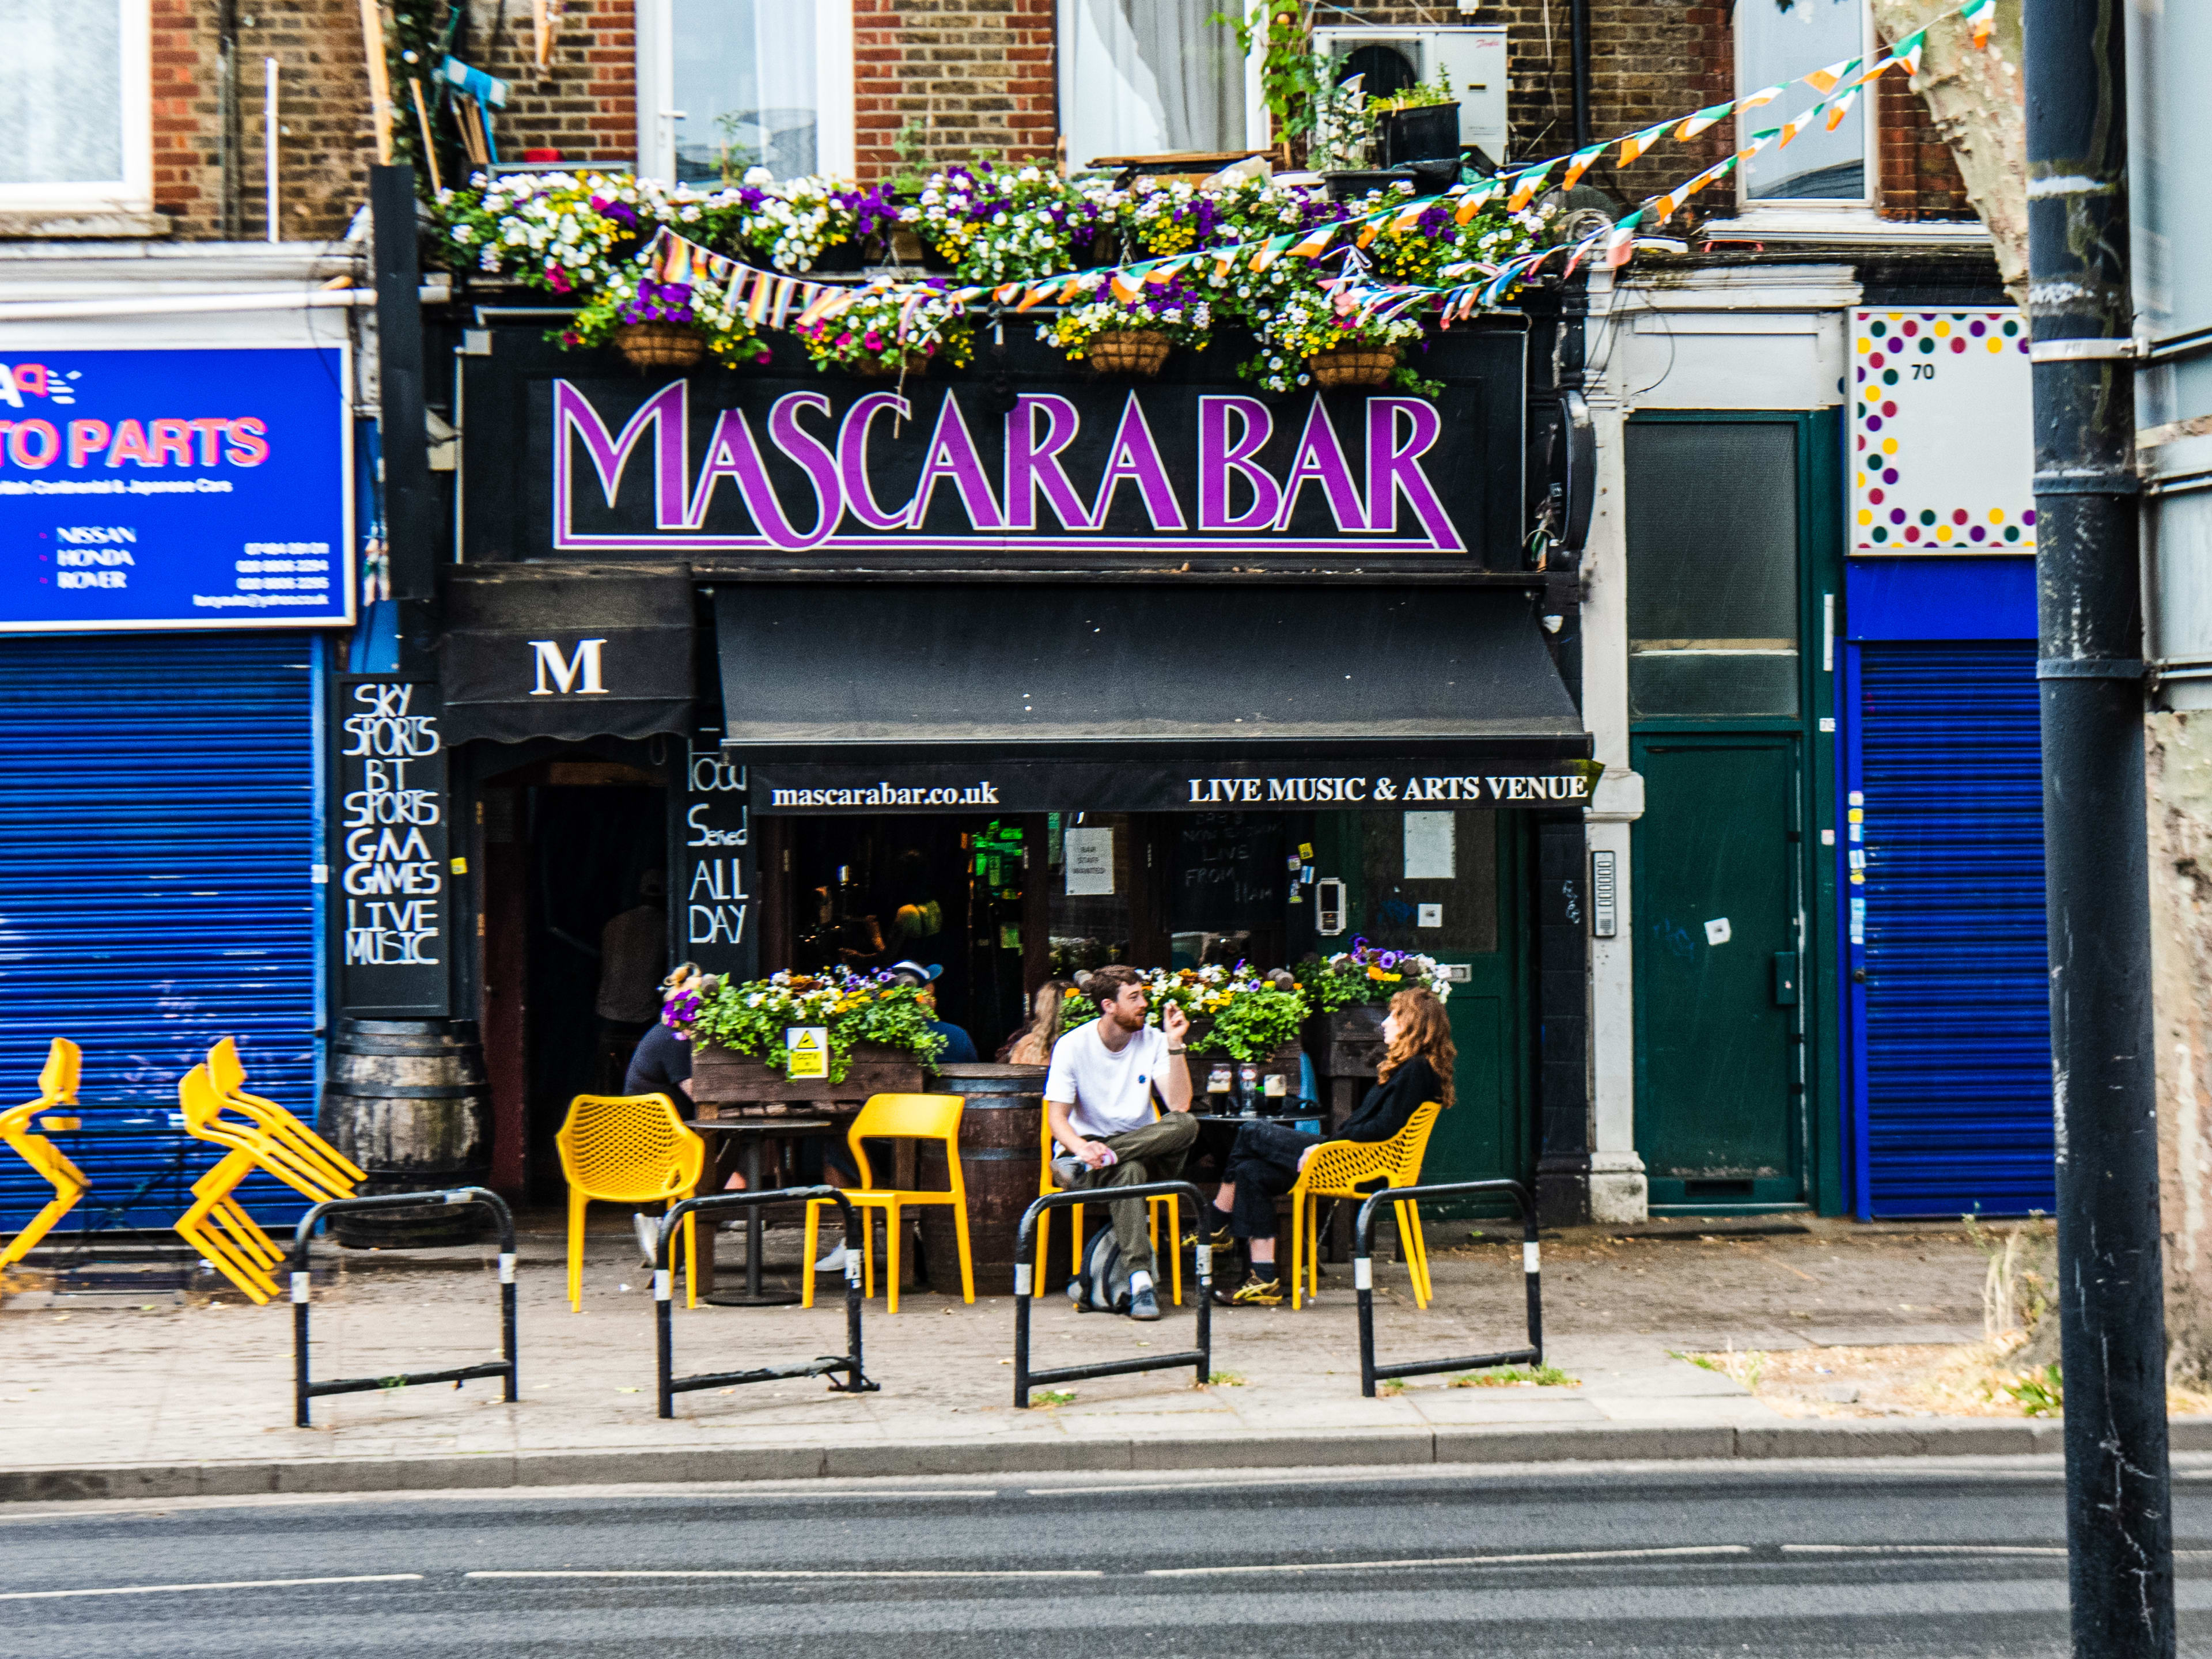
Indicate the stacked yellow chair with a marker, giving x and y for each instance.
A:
(629, 1149)
(1340, 1169)
(898, 1117)
(57, 1081)
(1046, 1185)
(254, 1134)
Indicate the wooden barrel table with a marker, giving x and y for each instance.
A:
(1000, 1130)
(406, 1100)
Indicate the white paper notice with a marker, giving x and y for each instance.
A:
(1090, 860)
(1717, 930)
(1429, 847)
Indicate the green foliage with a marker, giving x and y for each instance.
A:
(1516, 1376)
(1422, 94)
(2041, 1393)
(1255, 1022)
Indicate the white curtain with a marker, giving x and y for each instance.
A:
(1777, 40)
(61, 92)
(1142, 77)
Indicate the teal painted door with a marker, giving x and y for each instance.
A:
(1715, 901)
(1474, 925)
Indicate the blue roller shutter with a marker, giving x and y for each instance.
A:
(1951, 1040)
(157, 820)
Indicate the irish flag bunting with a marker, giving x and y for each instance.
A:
(1636, 143)
(1579, 163)
(1705, 118)
(1825, 81)
(1981, 14)
(1526, 187)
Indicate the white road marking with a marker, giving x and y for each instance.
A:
(1457, 1561)
(791, 1572)
(1924, 1549)
(235, 1583)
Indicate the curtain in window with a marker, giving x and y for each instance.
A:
(744, 80)
(1141, 77)
(61, 92)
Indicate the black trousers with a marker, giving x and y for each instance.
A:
(1263, 1163)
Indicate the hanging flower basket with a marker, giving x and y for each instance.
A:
(649, 346)
(1138, 351)
(886, 368)
(1359, 365)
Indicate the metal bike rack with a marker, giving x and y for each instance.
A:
(670, 1385)
(1363, 1279)
(305, 1389)
(1024, 1278)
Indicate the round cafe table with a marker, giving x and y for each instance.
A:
(750, 1133)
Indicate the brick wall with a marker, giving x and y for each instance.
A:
(1919, 177)
(583, 103)
(941, 81)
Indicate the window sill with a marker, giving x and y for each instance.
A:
(1773, 222)
(56, 224)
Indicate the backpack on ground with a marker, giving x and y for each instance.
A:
(1103, 1284)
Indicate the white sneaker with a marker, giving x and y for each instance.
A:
(648, 1234)
(832, 1263)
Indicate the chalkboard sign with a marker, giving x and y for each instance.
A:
(714, 897)
(1228, 873)
(391, 874)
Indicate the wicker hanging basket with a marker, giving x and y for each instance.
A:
(885, 368)
(1354, 366)
(649, 346)
(1138, 351)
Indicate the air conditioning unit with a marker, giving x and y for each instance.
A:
(1473, 58)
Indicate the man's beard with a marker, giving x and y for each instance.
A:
(1127, 1021)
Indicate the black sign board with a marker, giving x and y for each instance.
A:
(1184, 783)
(392, 908)
(714, 897)
(1020, 453)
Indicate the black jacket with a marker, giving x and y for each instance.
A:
(1389, 1105)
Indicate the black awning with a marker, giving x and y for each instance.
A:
(909, 695)
(575, 652)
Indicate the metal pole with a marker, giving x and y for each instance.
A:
(410, 523)
(1578, 26)
(269, 140)
(2111, 1321)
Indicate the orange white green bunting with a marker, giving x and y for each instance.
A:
(1471, 203)
(1825, 81)
(1840, 108)
(1578, 164)
(1636, 143)
(1764, 95)
(1526, 187)
(1981, 14)
(1694, 124)
(1314, 242)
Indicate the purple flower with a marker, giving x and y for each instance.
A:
(621, 212)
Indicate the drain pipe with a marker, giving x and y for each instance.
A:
(1578, 30)
(229, 133)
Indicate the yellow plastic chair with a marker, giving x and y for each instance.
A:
(1340, 1169)
(1048, 1184)
(217, 1224)
(898, 1117)
(57, 1081)
(308, 1149)
(629, 1149)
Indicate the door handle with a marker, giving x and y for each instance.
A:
(1786, 979)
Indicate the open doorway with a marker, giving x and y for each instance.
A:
(576, 945)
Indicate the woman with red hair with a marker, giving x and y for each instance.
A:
(1418, 1057)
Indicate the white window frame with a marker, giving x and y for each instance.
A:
(134, 191)
(1750, 121)
(836, 149)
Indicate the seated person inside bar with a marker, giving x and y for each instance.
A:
(959, 1047)
(1099, 1101)
(1267, 1158)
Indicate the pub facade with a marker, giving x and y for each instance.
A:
(1012, 670)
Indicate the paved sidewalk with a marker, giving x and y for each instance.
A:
(108, 1396)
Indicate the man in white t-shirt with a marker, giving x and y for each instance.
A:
(1098, 1099)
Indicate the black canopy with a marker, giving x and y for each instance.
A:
(906, 696)
(533, 651)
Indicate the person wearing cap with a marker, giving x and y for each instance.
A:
(959, 1047)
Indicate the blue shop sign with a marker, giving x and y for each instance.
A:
(185, 489)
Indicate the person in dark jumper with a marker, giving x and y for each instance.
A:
(1267, 1158)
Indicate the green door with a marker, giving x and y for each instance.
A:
(1467, 870)
(1715, 901)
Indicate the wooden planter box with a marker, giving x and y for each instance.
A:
(1347, 1043)
(728, 1085)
